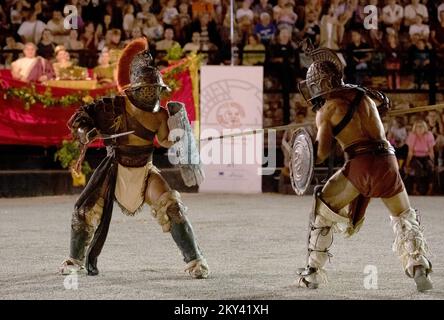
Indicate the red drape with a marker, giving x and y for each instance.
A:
(47, 126)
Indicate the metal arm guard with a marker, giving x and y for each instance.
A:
(184, 152)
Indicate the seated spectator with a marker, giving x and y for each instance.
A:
(330, 33)
(245, 12)
(358, 58)
(421, 156)
(261, 7)
(168, 40)
(168, 13)
(284, 60)
(199, 7)
(313, 7)
(31, 68)
(56, 25)
(278, 7)
(420, 60)
(63, 62)
(16, 15)
(184, 16)
(128, 19)
(162, 46)
(250, 58)
(11, 44)
(207, 28)
(392, 52)
(311, 29)
(31, 29)
(439, 10)
(145, 13)
(136, 32)
(244, 19)
(414, 9)
(435, 123)
(358, 13)
(45, 48)
(153, 30)
(286, 18)
(392, 15)
(397, 136)
(73, 42)
(90, 36)
(116, 37)
(419, 30)
(265, 29)
(437, 35)
(104, 72)
(436, 126)
(194, 45)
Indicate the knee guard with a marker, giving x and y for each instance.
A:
(410, 244)
(167, 209)
(170, 214)
(323, 221)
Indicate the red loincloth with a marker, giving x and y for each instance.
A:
(375, 176)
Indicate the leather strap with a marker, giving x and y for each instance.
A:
(350, 112)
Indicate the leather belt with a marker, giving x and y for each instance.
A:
(377, 147)
(134, 156)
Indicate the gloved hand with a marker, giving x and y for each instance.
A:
(86, 137)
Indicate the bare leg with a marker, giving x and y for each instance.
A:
(398, 203)
(338, 192)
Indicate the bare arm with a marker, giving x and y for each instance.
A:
(163, 131)
(324, 136)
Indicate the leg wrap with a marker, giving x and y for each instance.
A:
(323, 221)
(168, 208)
(82, 230)
(183, 236)
(410, 244)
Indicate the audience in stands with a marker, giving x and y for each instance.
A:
(32, 68)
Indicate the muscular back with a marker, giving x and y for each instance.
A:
(365, 124)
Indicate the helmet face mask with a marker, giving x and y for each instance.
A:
(323, 78)
(146, 97)
(146, 84)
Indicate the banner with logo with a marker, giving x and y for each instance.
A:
(231, 103)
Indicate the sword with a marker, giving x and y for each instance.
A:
(256, 131)
(78, 165)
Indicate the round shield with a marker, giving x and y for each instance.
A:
(301, 161)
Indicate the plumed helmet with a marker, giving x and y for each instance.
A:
(138, 78)
(324, 76)
(143, 72)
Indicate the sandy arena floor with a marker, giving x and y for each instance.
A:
(253, 243)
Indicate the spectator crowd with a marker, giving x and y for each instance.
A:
(399, 41)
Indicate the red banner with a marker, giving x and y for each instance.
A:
(46, 126)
